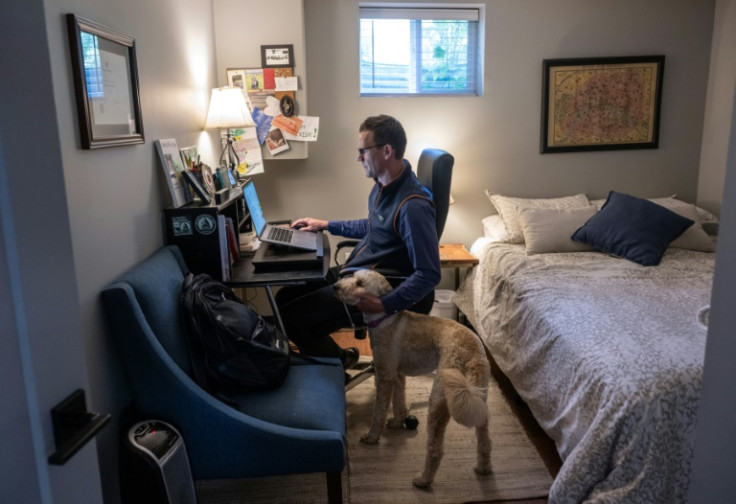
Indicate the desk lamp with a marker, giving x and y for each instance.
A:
(228, 110)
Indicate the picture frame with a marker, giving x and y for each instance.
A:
(222, 178)
(610, 103)
(236, 77)
(208, 178)
(189, 156)
(277, 56)
(108, 103)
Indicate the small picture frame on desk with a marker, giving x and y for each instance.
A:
(200, 191)
(222, 178)
(209, 179)
(232, 177)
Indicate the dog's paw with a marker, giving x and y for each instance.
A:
(483, 469)
(395, 423)
(421, 482)
(369, 438)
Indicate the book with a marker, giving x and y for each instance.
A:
(232, 241)
(173, 167)
(224, 249)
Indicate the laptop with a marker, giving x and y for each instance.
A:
(305, 240)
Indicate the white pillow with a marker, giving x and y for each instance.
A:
(704, 215)
(509, 208)
(694, 237)
(549, 230)
(493, 228)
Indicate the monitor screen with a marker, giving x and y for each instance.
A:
(254, 207)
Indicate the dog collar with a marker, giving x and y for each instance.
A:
(376, 322)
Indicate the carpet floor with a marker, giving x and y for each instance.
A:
(382, 473)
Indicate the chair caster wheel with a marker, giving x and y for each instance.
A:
(411, 422)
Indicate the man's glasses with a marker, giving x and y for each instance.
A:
(362, 151)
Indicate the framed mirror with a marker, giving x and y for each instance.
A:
(106, 85)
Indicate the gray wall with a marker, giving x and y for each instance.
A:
(116, 194)
(714, 455)
(41, 351)
(720, 98)
(715, 440)
(495, 138)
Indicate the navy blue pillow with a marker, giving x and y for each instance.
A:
(633, 228)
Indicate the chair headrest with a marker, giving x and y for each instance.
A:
(434, 171)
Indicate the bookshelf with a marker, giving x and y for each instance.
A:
(201, 232)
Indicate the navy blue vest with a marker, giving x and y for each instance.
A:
(382, 246)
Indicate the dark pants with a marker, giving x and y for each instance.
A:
(311, 312)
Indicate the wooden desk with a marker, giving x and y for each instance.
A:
(457, 256)
(244, 275)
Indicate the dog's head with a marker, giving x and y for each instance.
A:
(350, 289)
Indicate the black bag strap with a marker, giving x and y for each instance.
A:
(194, 345)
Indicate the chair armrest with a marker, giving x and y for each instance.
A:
(341, 245)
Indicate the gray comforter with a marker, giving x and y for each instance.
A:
(607, 354)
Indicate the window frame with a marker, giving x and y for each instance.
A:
(423, 11)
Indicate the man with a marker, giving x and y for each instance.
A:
(399, 234)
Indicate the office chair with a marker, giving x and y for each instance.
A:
(434, 171)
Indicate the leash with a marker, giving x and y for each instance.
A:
(359, 330)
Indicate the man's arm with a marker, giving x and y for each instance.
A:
(349, 228)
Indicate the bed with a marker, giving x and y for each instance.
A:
(607, 353)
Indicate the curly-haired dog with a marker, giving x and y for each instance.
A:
(408, 343)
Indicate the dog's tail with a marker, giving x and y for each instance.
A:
(466, 401)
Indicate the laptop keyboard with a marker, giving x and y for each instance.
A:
(280, 234)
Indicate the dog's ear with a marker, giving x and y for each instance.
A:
(385, 285)
(374, 282)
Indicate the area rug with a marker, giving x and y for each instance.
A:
(382, 473)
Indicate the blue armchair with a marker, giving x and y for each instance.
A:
(297, 428)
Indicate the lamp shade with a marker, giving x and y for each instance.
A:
(228, 109)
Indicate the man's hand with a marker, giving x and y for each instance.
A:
(309, 224)
(370, 304)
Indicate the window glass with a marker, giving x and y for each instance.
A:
(419, 51)
(92, 66)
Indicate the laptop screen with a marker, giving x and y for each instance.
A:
(254, 207)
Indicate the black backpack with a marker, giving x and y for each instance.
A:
(232, 348)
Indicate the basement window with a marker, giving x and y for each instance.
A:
(420, 51)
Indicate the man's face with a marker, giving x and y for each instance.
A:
(370, 155)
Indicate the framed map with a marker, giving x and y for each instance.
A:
(601, 103)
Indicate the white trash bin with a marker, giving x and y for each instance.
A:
(443, 305)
